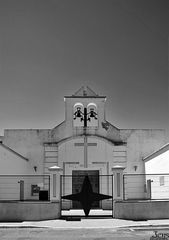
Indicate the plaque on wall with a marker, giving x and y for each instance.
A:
(35, 190)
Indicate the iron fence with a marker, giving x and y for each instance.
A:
(146, 186)
(24, 187)
(72, 184)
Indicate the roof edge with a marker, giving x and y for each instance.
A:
(157, 152)
(84, 96)
(11, 150)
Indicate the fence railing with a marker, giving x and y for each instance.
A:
(102, 184)
(146, 186)
(24, 187)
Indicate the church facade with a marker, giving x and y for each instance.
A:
(84, 143)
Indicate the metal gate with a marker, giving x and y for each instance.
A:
(86, 190)
(77, 182)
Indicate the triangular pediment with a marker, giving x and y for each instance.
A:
(85, 91)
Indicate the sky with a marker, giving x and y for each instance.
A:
(50, 48)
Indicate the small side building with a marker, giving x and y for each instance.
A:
(157, 173)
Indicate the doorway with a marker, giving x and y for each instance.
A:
(77, 182)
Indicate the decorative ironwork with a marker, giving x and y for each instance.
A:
(85, 116)
(105, 125)
(86, 197)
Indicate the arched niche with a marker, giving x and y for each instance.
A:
(78, 109)
(92, 115)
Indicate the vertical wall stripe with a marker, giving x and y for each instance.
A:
(54, 185)
(118, 184)
(85, 152)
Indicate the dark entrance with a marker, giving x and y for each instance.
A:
(77, 181)
(86, 190)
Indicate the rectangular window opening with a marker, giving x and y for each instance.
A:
(162, 181)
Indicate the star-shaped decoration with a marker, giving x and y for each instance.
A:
(86, 197)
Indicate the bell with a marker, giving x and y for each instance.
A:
(78, 114)
(92, 113)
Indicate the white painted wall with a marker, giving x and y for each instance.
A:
(12, 163)
(139, 143)
(159, 164)
(30, 144)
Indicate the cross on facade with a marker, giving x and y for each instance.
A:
(85, 145)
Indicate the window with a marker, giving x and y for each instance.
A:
(161, 181)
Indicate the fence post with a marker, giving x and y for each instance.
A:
(21, 182)
(118, 182)
(55, 173)
(149, 181)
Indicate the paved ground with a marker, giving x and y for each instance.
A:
(72, 234)
(88, 228)
(90, 224)
(103, 223)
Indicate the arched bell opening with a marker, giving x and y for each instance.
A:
(78, 110)
(92, 115)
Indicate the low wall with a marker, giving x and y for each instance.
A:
(29, 211)
(141, 210)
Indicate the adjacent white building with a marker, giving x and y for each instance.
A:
(157, 170)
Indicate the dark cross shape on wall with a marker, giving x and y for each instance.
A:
(86, 197)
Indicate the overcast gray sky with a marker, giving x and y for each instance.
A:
(50, 48)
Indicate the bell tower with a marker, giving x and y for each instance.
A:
(85, 109)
